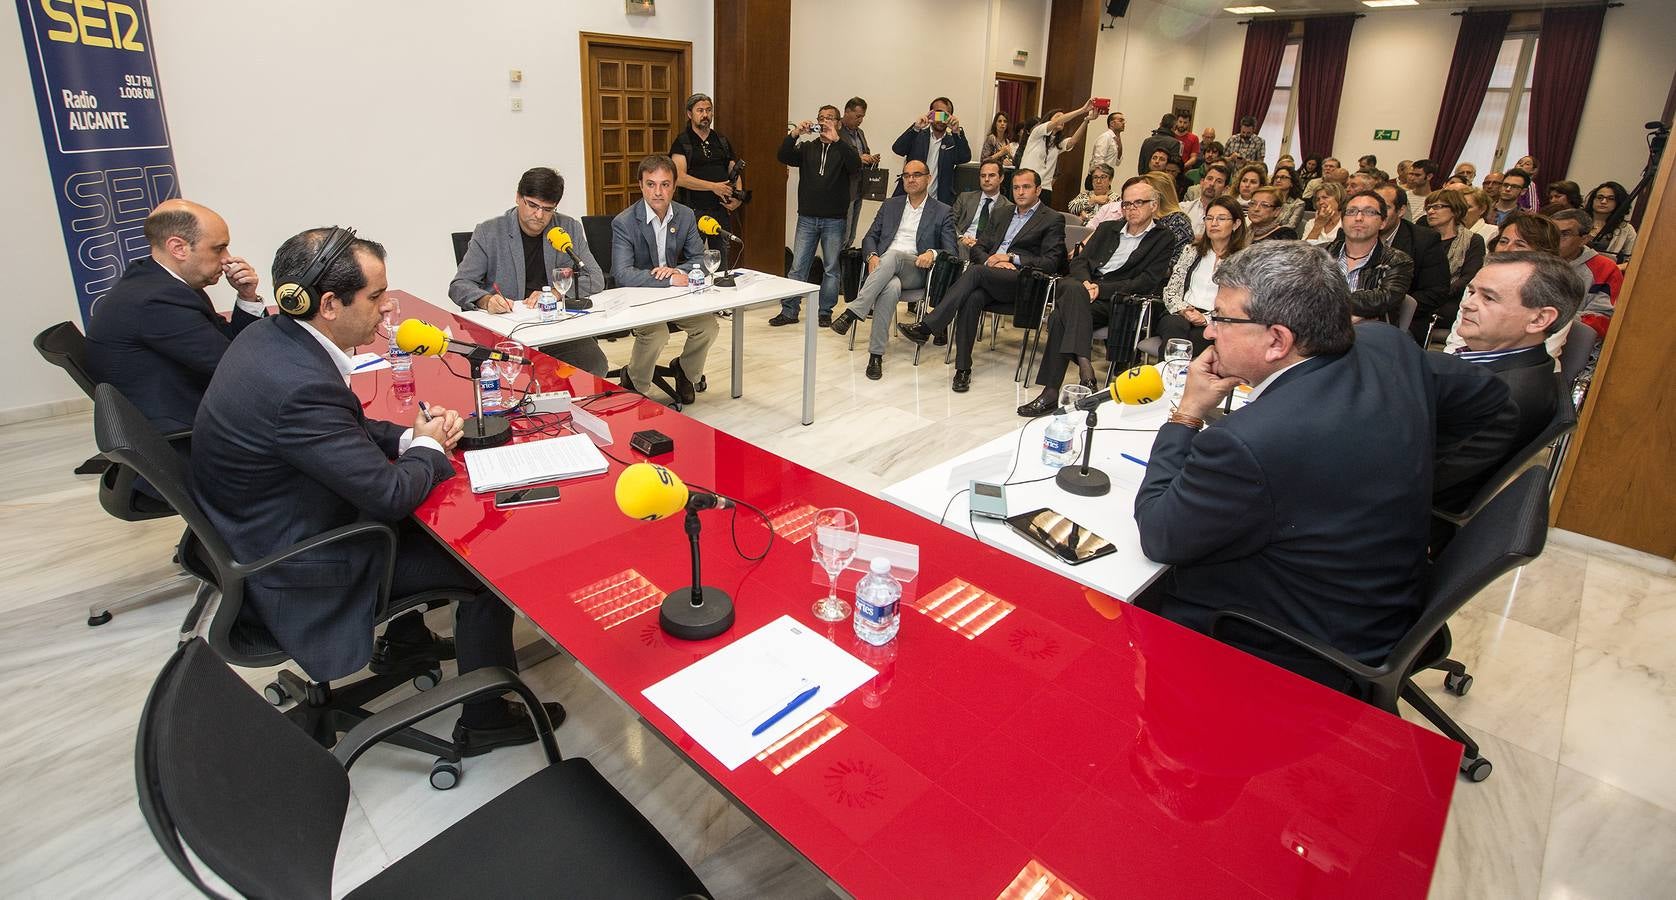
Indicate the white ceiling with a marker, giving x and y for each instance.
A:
(1316, 7)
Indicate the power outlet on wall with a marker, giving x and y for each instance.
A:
(517, 104)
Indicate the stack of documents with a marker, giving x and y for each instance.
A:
(532, 462)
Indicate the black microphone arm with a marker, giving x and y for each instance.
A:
(467, 348)
(700, 500)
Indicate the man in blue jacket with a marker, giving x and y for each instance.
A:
(937, 140)
(653, 243)
(900, 248)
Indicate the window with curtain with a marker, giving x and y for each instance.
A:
(1282, 118)
(1502, 133)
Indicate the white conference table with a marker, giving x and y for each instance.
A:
(623, 308)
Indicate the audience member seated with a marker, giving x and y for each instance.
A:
(283, 452)
(1360, 182)
(653, 244)
(1169, 214)
(1477, 204)
(1524, 232)
(1209, 155)
(1212, 186)
(1108, 147)
(1378, 276)
(1159, 160)
(1430, 286)
(1190, 294)
(1032, 237)
(1529, 198)
(1331, 171)
(1247, 146)
(1248, 179)
(1615, 239)
(511, 252)
(156, 337)
(1290, 214)
(1329, 214)
(937, 140)
(973, 210)
(824, 164)
(1164, 138)
(1468, 171)
(1046, 141)
(1131, 257)
(1462, 247)
(1514, 302)
(1367, 162)
(1492, 186)
(1600, 276)
(1097, 192)
(1264, 215)
(1564, 195)
(998, 144)
(906, 236)
(1418, 185)
(1508, 196)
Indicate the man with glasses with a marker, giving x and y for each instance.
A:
(1310, 506)
(824, 164)
(1507, 195)
(1378, 276)
(1424, 246)
(1122, 258)
(510, 259)
(937, 140)
(1263, 215)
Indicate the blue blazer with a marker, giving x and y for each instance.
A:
(283, 452)
(936, 227)
(915, 144)
(634, 246)
(158, 342)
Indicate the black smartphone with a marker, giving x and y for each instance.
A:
(525, 496)
(1058, 535)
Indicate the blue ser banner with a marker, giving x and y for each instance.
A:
(104, 128)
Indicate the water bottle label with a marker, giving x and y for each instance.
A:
(490, 384)
(878, 615)
(1056, 445)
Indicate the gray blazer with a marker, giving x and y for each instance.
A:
(496, 256)
(634, 246)
(936, 227)
(966, 208)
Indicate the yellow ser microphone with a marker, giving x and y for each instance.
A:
(707, 225)
(1142, 384)
(650, 492)
(423, 339)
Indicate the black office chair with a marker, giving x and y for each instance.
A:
(1558, 428)
(119, 495)
(462, 240)
(262, 806)
(321, 710)
(1510, 531)
(597, 231)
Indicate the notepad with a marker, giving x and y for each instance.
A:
(532, 462)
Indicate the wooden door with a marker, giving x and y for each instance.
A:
(633, 90)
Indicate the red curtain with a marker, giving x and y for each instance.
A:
(1009, 99)
(1565, 61)
(1265, 44)
(1476, 48)
(1321, 81)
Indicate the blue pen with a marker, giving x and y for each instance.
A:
(1133, 459)
(796, 701)
(371, 362)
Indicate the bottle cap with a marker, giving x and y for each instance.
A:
(879, 566)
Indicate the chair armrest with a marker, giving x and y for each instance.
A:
(494, 680)
(352, 530)
(173, 436)
(1354, 668)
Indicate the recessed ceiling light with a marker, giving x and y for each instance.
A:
(1376, 4)
(1247, 10)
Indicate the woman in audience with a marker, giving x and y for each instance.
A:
(1310, 171)
(1170, 213)
(1329, 206)
(1249, 178)
(1097, 192)
(998, 146)
(1461, 180)
(1532, 197)
(1565, 195)
(1287, 160)
(1285, 180)
(1055, 133)
(1478, 203)
(1612, 234)
(1190, 294)
(1446, 213)
(1527, 231)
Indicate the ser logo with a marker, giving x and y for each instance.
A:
(95, 23)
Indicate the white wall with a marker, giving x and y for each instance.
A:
(1143, 63)
(1632, 77)
(390, 116)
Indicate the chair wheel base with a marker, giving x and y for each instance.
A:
(427, 679)
(445, 774)
(276, 694)
(100, 619)
(1457, 684)
(1475, 768)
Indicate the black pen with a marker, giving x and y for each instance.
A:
(424, 410)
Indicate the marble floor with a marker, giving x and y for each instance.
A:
(1574, 700)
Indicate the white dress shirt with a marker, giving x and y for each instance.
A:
(660, 228)
(341, 360)
(907, 233)
(1126, 244)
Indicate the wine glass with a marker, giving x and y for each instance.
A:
(712, 260)
(563, 280)
(837, 532)
(511, 371)
(1178, 355)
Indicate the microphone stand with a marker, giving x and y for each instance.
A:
(579, 301)
(726, 279)
(1083, 480)
(699, 612)
(482, 431)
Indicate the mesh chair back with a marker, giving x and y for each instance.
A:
(1405, 312)
(251, 794)
(126, 436)
(462, 240)
(1564, 421)
(63, 346)
(597, 230)
(1580, 344)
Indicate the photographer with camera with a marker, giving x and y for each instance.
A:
(824, 165)
(707, 174)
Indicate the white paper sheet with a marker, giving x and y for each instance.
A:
(723, 697)
(532, 462)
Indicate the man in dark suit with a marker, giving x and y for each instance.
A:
(652, 242)
(906, 236)
(1430, 287)
(1131, 256)
(973, 210)
(156, 337)
(1310, 505)
(1032, 237)
(283, 453)
(937, 140)
(1512, 305)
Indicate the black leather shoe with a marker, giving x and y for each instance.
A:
(782, 319)
(940, 339)
(628, 383)
(825, 320)
(917, 333)
(962, 380)
(875, 366)
(1092, 384)
(389, 656)
(1037, 408)
(684, 388)
(519, 730)
(845, 319)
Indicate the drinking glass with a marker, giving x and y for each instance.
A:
(837, 532)
(712, 260)
(1178, 355)
(511, 371)
(563, 280)
(1071, 394)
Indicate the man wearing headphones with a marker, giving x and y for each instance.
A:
(283, 452)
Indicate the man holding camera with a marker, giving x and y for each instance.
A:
(706, 170)
(824, 166)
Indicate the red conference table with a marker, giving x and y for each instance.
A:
(1024, 733)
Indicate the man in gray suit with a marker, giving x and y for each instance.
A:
(900, 248)
(510, 258)
(652, 242)
(974, 209)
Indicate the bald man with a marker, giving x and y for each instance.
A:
(156, 337)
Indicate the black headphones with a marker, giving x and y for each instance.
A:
(301, 298)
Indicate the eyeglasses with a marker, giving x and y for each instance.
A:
(533, 206)
(1362, 212)
(1432, 206)
(1218, 220)
(1134, 204)
(1231, 320)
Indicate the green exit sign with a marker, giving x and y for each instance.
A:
(1386, 134)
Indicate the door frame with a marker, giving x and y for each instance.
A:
(591, 40)
(1033, 94)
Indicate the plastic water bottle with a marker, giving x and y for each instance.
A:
(488, 383)
(877, 596)
(1059, 443)
(695, 278)
(548, 304)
